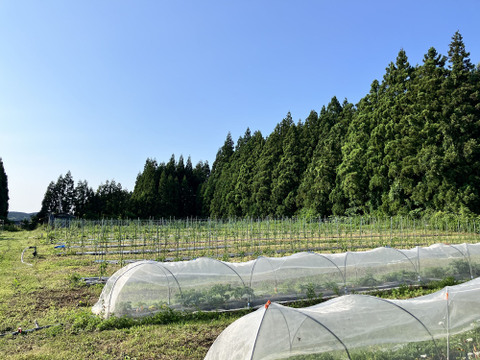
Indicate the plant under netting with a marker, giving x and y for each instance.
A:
(144, 287)
(442, 325)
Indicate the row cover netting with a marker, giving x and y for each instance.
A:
(442, 325)
(144, 287)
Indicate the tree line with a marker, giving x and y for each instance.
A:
(3, 192)
(161, 190)
(410, 146)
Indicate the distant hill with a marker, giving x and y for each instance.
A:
(19, 216)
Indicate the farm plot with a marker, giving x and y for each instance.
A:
(242, 239)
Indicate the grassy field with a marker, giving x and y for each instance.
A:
(49, 292)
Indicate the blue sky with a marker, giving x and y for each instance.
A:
(97, 87)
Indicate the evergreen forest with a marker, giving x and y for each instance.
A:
(410, 146)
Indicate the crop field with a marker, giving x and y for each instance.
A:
(45, 289)
(123, 241)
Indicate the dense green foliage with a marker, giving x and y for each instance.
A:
(63, 197)
(3, 192)
(161, 190)
(169, 190)
(410, 146)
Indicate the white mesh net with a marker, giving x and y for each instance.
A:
(435, 326)
(143, 287)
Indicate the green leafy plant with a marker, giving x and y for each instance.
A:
(75, 280)
(333, 286)
(367, 280)
(216, 296)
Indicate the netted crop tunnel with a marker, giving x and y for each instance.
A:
(442, 325)
(144, 287)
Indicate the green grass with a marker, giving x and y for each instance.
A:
(52, 293)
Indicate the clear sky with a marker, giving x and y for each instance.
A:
(97, 87)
